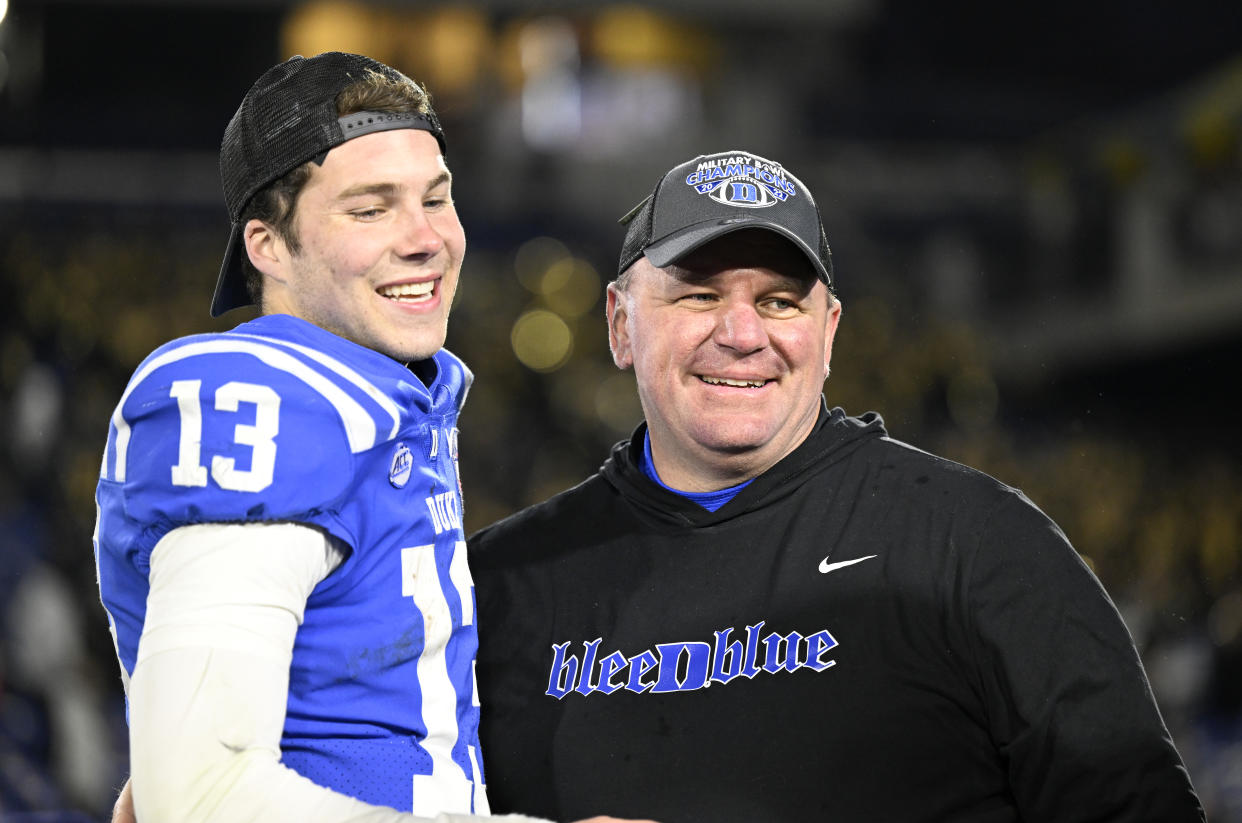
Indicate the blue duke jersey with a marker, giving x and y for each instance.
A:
(279, 420)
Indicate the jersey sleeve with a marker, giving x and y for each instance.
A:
(217, 430)
(1067, 699)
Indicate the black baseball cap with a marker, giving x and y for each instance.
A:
(286, 119)
(717, 194)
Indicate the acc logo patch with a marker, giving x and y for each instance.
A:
(401, 467)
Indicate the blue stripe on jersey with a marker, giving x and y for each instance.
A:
(340, 368)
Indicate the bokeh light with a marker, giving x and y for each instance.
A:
(571, 287)
(448, 49)
(542, 340)
(634, 36)
(333, 25)
(534, 258)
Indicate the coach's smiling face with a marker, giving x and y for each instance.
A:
(730, 349)
(379, 246)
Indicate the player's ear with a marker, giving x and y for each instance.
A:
(618, 327)
(266, 249)
(834, 318)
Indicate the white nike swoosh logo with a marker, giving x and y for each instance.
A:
(825, 566)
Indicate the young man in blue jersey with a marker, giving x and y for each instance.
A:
(762, 609)
(279, 540)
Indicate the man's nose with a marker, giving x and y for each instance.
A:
(740, 327)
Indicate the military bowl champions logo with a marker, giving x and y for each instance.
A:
(743, 181)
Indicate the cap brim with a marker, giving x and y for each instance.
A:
(670, 249)
(231, 290)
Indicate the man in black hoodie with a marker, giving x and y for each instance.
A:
(761, 609)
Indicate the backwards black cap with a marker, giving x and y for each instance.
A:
(716, 194)
(287, 118)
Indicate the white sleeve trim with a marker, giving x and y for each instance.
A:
(208, 694)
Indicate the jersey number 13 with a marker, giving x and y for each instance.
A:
(260, 437)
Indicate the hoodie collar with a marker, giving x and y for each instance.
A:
(834, 437)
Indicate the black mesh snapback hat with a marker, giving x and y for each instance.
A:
(716, 194)
(287, 118)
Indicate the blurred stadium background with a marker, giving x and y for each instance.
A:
(1035, 212)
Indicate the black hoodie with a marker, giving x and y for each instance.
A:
(866, 632)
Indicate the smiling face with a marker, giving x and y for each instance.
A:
(380, 246)
(730, 349)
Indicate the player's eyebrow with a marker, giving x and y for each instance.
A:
(361, 189)
(391, 189)
(440, 179)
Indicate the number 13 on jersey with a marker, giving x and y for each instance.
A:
(260, 437)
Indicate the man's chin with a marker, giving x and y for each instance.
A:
(734, 443)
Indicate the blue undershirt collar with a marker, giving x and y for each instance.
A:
(708, 500)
